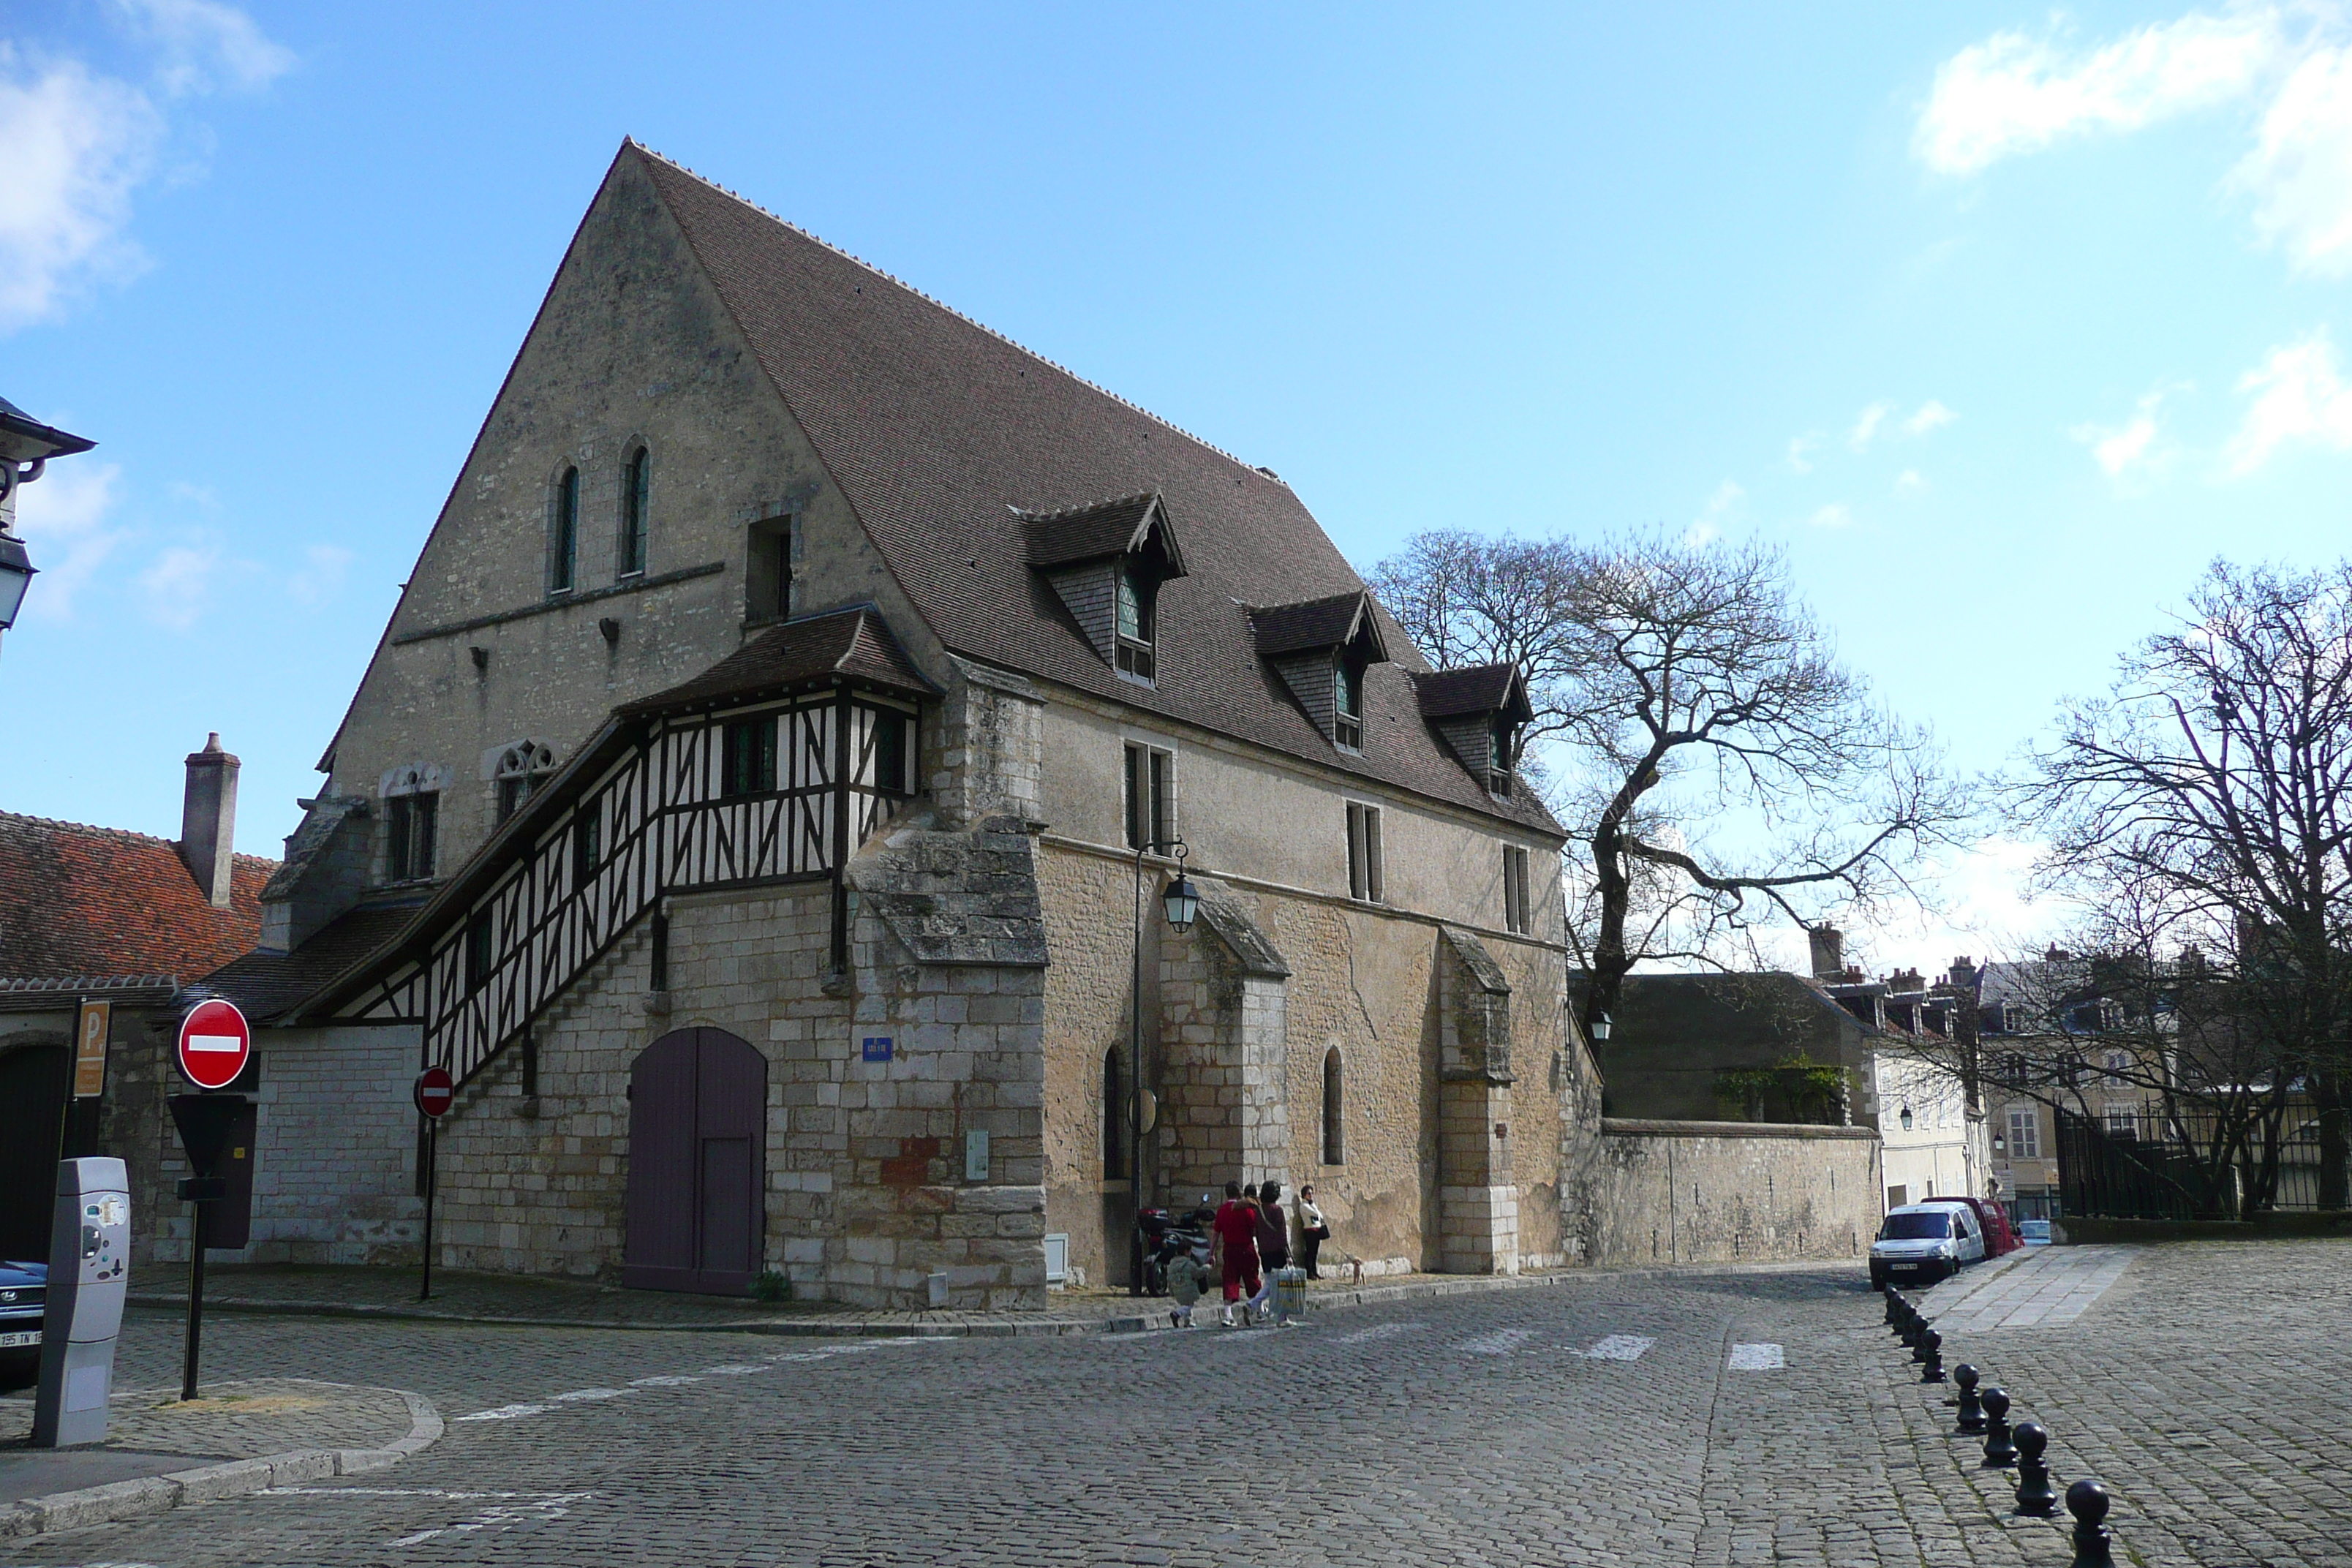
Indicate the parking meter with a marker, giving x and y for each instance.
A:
(89, 1274)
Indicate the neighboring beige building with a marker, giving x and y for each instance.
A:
(747, 799)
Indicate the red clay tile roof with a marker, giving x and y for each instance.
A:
(945, 437)
(98, 902)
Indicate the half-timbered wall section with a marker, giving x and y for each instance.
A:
(742, 798)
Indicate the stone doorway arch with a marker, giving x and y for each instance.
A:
(698, 1142)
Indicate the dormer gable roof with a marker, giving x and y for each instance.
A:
(1316, 626)
(854, 644)
(1492, 688)
(1098, 530)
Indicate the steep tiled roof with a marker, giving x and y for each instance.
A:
(854, 643)
(265, 985)
(98, 902)
(945, 438)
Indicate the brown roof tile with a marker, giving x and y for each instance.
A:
(855, 644)
(99, 902)
(946, 437)
(1316, 624)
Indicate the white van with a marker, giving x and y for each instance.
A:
(1924, 1243)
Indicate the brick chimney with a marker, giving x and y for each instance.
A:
(1828, 943)
(208, 820)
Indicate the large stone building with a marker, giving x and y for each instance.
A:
(752, 798)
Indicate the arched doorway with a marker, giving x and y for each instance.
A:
(698, 1135)
(33, 1084)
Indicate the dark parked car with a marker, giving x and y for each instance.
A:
(24, 1291)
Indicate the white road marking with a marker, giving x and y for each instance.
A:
(661, 1382)
(1502, 1341)
(1757, 1358)
(736, 1369)
(391, 1491)
(1618, 1347)
(543, 1510)
(1377, 1331)
(579, 1394)
(504, 1413)
(801, 1355)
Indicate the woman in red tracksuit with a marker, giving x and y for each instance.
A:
(1236, 1247)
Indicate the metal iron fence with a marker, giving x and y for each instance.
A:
(2137, 1163)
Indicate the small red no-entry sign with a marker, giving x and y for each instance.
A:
(435, 1090)
(215, 1044)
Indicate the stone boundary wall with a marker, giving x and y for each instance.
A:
(1723, 1192)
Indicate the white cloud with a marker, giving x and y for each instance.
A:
(178, 585)
(2299, 174)
(1834, 515)
(1866, 424)
(1932, 415)
(1707, 527)
(79, 146)
(2299, 397)
(2014, 94)
(1910, 482)
(204, 44)
(1798, 448)
(64, 519)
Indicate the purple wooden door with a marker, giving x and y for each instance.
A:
(698, 1122)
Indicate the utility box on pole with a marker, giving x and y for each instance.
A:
(89, 1274)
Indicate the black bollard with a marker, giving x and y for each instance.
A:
(2034, 1493)
(2087, 1500)
(1919, 1341)
(1912, 1326)
(1999, 1453)
(1972, 1413)
(1932, 1370)
(1893, 1296)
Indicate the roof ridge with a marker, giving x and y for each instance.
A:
(127, 834)
(1011, 343)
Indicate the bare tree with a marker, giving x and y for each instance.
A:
(1722, 768)
(2212, 785)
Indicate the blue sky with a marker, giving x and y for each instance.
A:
(2005, 320)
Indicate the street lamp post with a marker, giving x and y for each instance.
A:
(1179, 902)
(25, 447)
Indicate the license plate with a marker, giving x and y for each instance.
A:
(1905, 1268)
(11, 1342)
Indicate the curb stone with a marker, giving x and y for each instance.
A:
(117, 1500)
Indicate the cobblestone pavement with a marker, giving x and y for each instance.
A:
(463, 1296)
(1729, 1417)
(2045, 1285)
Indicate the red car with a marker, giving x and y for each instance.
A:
(2000, 1235)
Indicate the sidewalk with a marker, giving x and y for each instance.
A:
(465, 1297)
(160, 1452)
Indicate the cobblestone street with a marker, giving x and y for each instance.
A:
(1741, 1417)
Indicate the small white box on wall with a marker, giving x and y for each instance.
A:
(1057, 1259)
(975, 1155)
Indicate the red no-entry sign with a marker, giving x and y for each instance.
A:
(435, 1090)
(215, 1044)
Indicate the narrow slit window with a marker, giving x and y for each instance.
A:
(1364, 852)
(768, 583)
(1150, 803)
(477, 952)
(563, 534)
(587, 843)
(410, 821)
(635, 486)
(1114, 1113)
(1518, 916)
(1334, 1110)
(891, 751)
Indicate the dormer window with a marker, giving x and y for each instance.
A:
(1347, 703)
(1139, 615)
(1480, 713)
(1322, 649)
(1106, 561)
